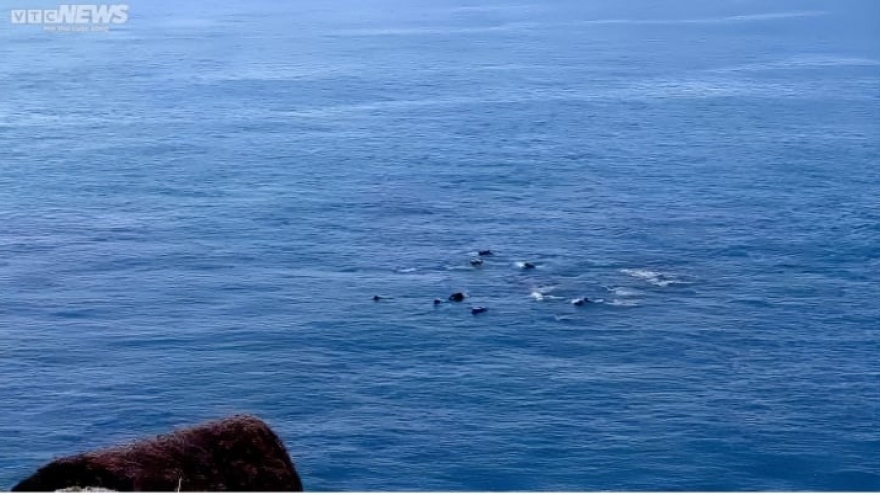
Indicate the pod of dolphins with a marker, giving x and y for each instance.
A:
(477, 263)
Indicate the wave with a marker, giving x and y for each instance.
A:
(521, 25)
(623, 303)
(481, 9)
(279, 72)
(543, 293)
(387, 106)
(624, 291)
(652, 277)
(652, 88)
(770, 16)
(434, 30)
(545, 289)
(804, 62)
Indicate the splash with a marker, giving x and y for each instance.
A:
(652, 277)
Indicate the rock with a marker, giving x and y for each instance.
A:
(240, 453)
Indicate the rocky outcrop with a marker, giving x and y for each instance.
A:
(240, 453)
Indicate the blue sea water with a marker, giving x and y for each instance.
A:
(197, 207)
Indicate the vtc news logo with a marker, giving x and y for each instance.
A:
(72, 17)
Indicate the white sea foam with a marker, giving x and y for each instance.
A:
(624, 291)
(652, 277)
(639, 273)
(623, 303)
(522, 264)
(543, 293)
(587, 301)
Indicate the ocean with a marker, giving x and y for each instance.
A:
(198, 205)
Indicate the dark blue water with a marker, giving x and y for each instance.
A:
(197, 207)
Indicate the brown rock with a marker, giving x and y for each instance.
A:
(240, 453)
